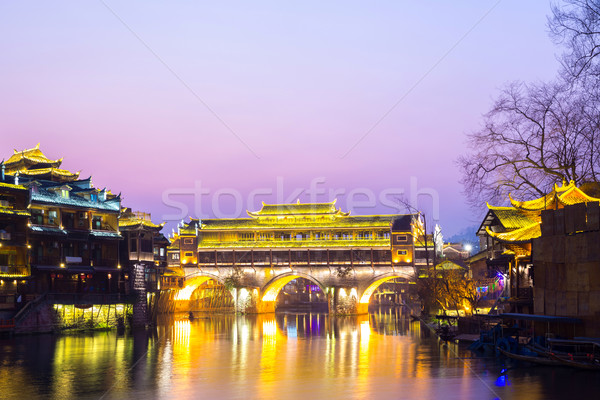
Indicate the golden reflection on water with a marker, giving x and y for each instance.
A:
(274, 356)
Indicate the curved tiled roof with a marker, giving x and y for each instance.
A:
(297, 209)
(564, 195)
(377, 221)
(521, 235)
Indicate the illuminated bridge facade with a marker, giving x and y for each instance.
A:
(348, 257)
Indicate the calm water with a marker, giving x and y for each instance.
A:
(283, 356)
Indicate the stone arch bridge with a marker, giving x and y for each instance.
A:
(255, 289)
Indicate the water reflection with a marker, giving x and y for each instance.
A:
(383, 355)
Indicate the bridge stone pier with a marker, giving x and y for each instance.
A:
(255, 289)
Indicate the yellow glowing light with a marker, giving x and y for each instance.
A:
(365, 331)
(396, 261)
(269, 329)
(28, 246)
(190, 285)
(372, 287)
(243, 294)
(62, 265)
(119, 266)
(272, 291)
(342, 292)
(408, 260)
(185, 293)
(353, 292)
(15, 282)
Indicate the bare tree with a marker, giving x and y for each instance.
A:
(575, 24)
(534, 136)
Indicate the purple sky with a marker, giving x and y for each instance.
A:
(299, 84)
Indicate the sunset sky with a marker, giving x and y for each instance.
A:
(155, 98)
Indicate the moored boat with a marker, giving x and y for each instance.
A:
(541, 360)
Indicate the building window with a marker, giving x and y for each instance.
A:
(189, 254)
(401, 238)
(402, 252)
(52, 217)
(264, 236)
(146, 246)
(162, 251)
(175, 256)
(64, 193)
(246, 237)
(37, 217)
(188, 241)
(97, 222)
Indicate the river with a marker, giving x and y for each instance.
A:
(284, 356)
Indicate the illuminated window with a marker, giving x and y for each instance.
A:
(64, 193)
(175, 256)
(52, 217)
(402, 252)
(264, 236)
(246, 236)
(97, 222)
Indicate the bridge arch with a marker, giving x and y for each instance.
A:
(193, 282)
(377, 281)
(270, 291)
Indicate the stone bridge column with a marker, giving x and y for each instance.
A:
(344, 301)
(247, 300)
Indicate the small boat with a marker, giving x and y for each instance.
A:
(541, 360)
(590, 363)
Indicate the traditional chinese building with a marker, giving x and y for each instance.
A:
(291, 234)
(506, 234)
(73, 230)
(143, 248)
(14, 266)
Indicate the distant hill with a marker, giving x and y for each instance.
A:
(466, 235)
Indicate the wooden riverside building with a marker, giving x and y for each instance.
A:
(315, 234)
(73, 231)
(64, 240)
